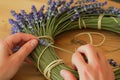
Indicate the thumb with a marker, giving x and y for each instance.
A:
(26, 49)
(67, 75)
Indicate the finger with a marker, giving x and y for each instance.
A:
(89, 52)
(3, 51)
(78, 61)
(101, 56)
(25, 50)
(67, 75)
(18, 38)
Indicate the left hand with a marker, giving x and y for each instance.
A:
(10, 62)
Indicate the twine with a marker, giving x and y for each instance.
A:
(83, 22)
(115, 20)
(38, 62)
(91, 39)
(53, 64)
(48, 69)
(100, 21)
(79, 24)
(47, 37)
(84, 25)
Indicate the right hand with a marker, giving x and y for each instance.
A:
(97, 67)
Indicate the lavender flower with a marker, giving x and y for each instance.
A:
(44, 42)
(112, 62)
(24, 15)
(13, 13)
(11, 21)
(49, 2)
(58, 3)
(52, 6)
(16, 48)
(40, 13)
(75, 16)
(14, 30)
(34, 11)
(71, 1)
(14, 23)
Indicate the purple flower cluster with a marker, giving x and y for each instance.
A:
(53, 8)
(93, 8)
(24, 21)
(113, 63)
(113, 10)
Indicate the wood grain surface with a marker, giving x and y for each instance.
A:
(29, 72)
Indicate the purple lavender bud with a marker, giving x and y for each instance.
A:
(75, 16)
(118, 11)
(41, 42)
(93, 0)
(63, 9)
(23, 16)
(58, 3)
(23, 12)
(16, 48)
(15, 24)
(32, 31)
(71, 1)
(34, 10)
(49, 2)
(13, 13)
(14, 30)
(40, 13)
(44, 42)
(17, 17)
(11, 21)
(52, 6)
(29, 26)
(42, 8)
(105, 3)
(114, 64)
(21, 24)
(67, 4)
(30, 18)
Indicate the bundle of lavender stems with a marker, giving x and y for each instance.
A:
(59, 17)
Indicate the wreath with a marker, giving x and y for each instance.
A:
(61, 16)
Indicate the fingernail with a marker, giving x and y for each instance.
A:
(34, 43)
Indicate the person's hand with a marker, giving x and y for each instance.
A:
(95, 68)
(11, 61)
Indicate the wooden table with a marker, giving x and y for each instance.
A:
(29, 72)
